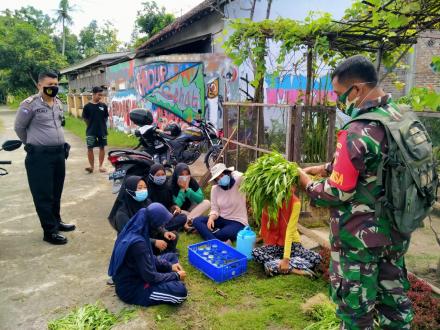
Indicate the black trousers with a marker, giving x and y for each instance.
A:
(46, 172)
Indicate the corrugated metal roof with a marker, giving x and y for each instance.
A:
(202, 9)
(96, 59)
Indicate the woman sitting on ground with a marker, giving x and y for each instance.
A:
(132, 197)
(282, 252)
(228, 213)
(139, 276)
(187, 194)
(159, 191)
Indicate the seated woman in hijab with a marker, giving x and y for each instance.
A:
(159, 191)
(139, 276)
(132, 197)
(188, 195)
(228, 213)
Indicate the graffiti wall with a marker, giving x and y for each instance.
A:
(176, 88)
(290, 89)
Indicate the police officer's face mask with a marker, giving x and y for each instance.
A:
(50, 91)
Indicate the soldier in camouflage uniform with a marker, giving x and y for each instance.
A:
(367, 269)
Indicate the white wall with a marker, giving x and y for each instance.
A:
(286, 87)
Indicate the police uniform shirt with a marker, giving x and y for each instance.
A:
(39, 124)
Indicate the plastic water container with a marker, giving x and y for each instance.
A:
(246, 241)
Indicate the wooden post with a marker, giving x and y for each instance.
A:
(297, 132)
(331, 133)
(289, 134)
(379, 60)
(237, 152)
(257, 141)
(308, 100)
(225, 129)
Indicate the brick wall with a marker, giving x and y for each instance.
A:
(419, 74)
(427, 46)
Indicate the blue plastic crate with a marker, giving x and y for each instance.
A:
(217, 260)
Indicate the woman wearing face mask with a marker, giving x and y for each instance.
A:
(159, 191)
(228, 206)
(187, 194)
(132, 197)
(140, 277)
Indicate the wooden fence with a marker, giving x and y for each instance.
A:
(301, 133)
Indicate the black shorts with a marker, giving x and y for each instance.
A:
(96, 141)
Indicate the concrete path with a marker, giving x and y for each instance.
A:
(38, 281)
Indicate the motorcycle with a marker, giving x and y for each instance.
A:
(9, 145)
(128, 162)
(172, 145)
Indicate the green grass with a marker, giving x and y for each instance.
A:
(114, 139)
(251, 301)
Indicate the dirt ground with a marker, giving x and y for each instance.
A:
(39, 281)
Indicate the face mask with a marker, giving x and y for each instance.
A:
(184, 178)
(224, 181)
(344, 104)
(159, 180)
(141, 195)
(51, 91)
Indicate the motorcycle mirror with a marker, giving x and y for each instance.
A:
(11, 145)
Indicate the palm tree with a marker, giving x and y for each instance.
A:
(63, 16)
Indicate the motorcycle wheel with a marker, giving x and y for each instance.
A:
(212, 156)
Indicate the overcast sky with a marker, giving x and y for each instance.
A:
(121, 13)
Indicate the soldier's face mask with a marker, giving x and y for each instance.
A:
(50, 91)
(346, 105)
(343, 103)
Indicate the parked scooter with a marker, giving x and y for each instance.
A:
(173, 145)
(9, 145)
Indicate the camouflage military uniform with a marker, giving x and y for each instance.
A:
(367, 271)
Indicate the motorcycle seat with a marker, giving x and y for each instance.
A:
(167, 136)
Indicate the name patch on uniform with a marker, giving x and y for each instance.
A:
(344, 175)
(41, 110)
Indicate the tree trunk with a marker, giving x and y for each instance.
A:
(33, 80)
(252, 9)
(308, 100)
(64, 37)
(269, 5)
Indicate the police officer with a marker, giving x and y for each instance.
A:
(39, 124)
(367, 269)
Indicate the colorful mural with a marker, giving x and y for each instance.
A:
(122, 102)
(173, 87)
(290, 89)
(183, 94)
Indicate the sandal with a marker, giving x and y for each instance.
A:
(89, 170)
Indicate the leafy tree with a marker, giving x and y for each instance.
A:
(63, 16)
(72, 47)
(95, 40)
(41, 21)
(150, 20)
(24, 52)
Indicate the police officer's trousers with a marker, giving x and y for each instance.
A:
(46, 169)
(369, 283)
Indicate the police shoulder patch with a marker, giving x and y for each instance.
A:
(30, 99)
